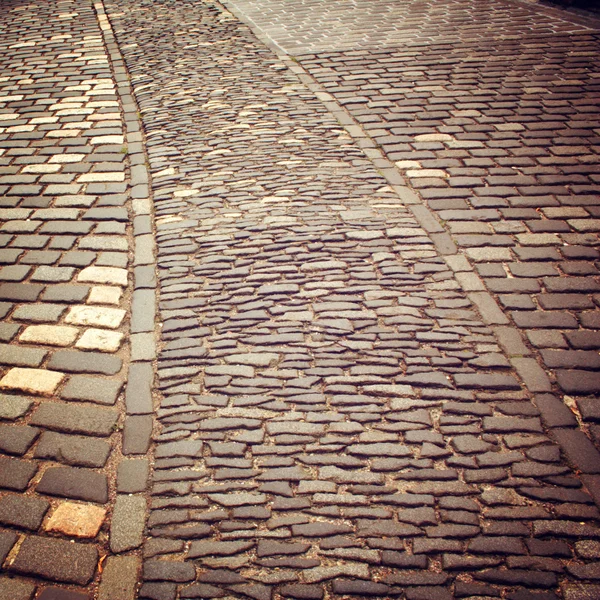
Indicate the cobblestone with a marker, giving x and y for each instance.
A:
(377, 291)
(298, 397)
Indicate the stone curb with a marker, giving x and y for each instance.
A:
(122, 573)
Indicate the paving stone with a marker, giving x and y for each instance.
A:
(40, 313)
(138, 393)
(92, 389)
(127, 525)
(579, 449)
(68, 293)
(69, 482)
(577, 381)
(13, 407)
(103, 275)
(73, 361)
(105, 294)
(15, 589)
(155, 570)
(132, 475)
(75, 419)
(77, 520)
(23, 512)
(119, 578)
(137, 430)
(110, 318)
(20, 292)
(100, 339)
(7, 541)
(21, 356)
(15, 474)
(53, 335)
(16, 439)
(55, 593)
(55, 559)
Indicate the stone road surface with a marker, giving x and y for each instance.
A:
(299, 300)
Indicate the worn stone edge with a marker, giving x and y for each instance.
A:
(118, 582)
(533, 376)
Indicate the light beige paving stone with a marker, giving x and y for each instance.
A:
(110, 275)
(32, 381)
(414, 173)
(101, 177)
(538, 239)
(53, 335)
(403, 232)
(105, 294)
(63, 133)
(107, 139)
(41, 169)
(67, 158)
(95, 315)
(100, 339)
(489, 254)
(433, 137)
(79, 520)
(104, 242)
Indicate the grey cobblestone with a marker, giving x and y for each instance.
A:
(329, 396)
(339, 245)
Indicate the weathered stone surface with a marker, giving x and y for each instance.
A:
(78, 520)
(75, 419)
(127, 524)
(70, 482)
(119, 578)
(55, 559)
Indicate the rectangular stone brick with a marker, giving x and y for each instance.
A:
(21, 356)
(78, 483)
(90, 420)
(57, 560)
(72, 361)
(72, 450)
(15, 474)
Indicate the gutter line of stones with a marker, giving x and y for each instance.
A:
(121, 572)
(562, 422)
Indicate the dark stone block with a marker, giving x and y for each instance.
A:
(23, 511)
(72, 449)
(16, 439)
(55, 559)
(68, 482)
(89, 420)
(73, 361)
(15, 474)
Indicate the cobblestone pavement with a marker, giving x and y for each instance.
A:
(377, 280)
(500, 141)
(71, 184)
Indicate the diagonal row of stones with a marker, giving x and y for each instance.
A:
(334, 417)
(64, 290)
